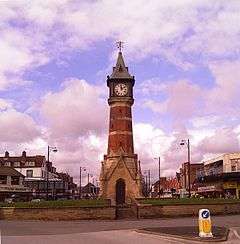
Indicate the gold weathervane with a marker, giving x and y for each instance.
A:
(120, 45)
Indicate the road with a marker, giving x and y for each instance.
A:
(102, 232)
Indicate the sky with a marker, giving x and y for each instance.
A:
(55, 56)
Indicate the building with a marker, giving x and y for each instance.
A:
(120, 178)
(66, 187)
(32, 167)
(90, 191)
(220, 176)
(11, 185)
(168, 187)
(40, 176)
(184, 176)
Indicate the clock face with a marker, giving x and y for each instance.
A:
(121, 89)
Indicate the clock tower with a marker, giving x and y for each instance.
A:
(120, 178)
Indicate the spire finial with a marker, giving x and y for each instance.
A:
(120, 45)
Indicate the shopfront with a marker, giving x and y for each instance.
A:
(212, 191)
(231, 189)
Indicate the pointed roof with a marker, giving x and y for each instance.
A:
(120, 70)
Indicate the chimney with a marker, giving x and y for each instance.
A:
(24, 154)
(6, 154)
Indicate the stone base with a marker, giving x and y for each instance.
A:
(121, 167)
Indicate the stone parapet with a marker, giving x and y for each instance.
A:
(177, 210)
(63, 213)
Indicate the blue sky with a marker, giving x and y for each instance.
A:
(56, 56)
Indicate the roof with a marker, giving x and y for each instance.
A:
(38, 159)
(234, 155)
(9, 171)
(120, 70)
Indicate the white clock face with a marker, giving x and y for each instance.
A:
(121, 89)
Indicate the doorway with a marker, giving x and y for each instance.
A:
(120, 191)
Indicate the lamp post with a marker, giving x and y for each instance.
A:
(80, 181)
(89, 175)
(50, 149)
(159, 175)
(187, 142)
(145, 173)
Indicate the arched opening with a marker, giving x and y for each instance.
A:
(120, 191)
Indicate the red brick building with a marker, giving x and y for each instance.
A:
(184, 179)
(168, 186)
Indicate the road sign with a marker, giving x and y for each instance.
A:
(204, 221)
(205, 214)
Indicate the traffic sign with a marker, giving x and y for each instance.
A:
(204, 221)
(205, 214)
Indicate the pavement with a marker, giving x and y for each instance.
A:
(188, 233)
(106, 232)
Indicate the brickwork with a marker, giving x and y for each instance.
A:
(149, 211)
(120, 128)
(143, 211)
(120, 163)
(67, 213)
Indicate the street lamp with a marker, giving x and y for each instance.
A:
(187, 142)
(89, 175)
(80, 180)
(50, 149)
(147, 174)
(159, 175)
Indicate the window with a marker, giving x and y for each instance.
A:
(3, 179)
(16, 164)
(15, 180)
(29, 163)
(235, 165)
(29, 173)
(234, 168)
(8, 164)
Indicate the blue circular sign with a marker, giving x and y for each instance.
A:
(205, 214)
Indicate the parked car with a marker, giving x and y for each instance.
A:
(36, 200)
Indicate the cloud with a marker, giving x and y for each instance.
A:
(224, 97)
(183, 100)
(17, 127)
(76, 110)
(185, 33)
(152, 86)
(4, 104)
(224, 140)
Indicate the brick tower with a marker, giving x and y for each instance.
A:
(120, 177)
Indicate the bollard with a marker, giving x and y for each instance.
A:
(204, 222)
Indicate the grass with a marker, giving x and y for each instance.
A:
(59, 204)
(187, 201)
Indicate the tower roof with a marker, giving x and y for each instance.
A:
(120, 70)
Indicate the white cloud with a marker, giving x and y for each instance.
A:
(204, 121)
(224, 140)
(17, 127)
(76, 110)
(224, 97)
(36, 32)
(182, 102)
(4, 104)
(185, 33)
